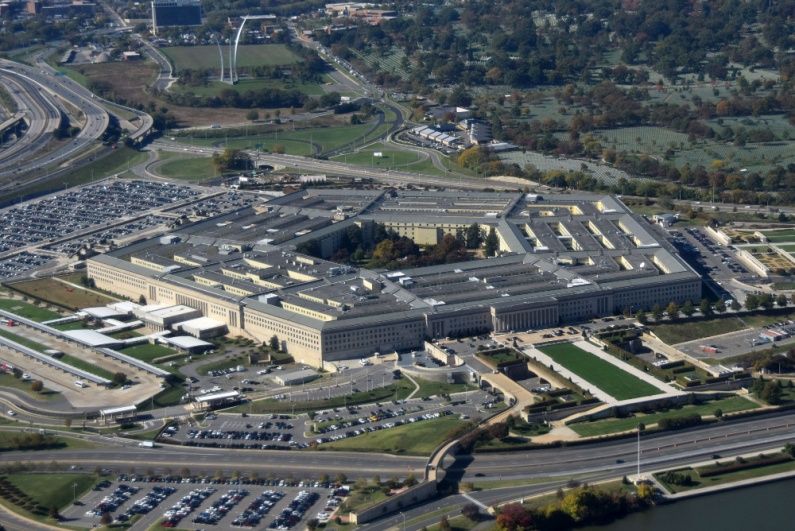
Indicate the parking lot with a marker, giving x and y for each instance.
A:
(206, 502)
(58, 216)
(737, 343)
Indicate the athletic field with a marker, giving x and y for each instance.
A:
(617, 383)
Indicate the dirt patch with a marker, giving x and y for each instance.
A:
(130, 81)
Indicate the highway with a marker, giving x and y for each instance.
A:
(58, 92)
(553, 467)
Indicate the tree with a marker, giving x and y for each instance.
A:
(376, 480)
(444, 525)
(718, 413)
(514, 517)
(120, 378)
(53, 512)
(341, 478)
(706, 307)
(471, 511)
(37, 386)
(645, 492)
(67, 423)
(688, 309)
(410, 481)
(720, 306)
(142, 300)
(312, 524)
(492, 244)
(736, 306)
(673, 310)
(751, 302)
(771, 393)
(641, 317)
(781, 300)
(273, 343)
(252, 115)
(106, 519)
(656, 312)
(473, 237)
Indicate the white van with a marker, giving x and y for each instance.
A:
(80, 384)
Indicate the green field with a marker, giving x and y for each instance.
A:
(419, 438)
(788, 248)
(86, 366)
(52, 489)
(721, 479)
(9, 382)
(673, 333)
(214, 88)
(617, 383)
(116, 162)
(776, 236)
(199, 57)
(147, 352)
(188, 168)
(29, 311)
(604, 427)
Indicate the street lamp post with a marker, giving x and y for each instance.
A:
(74, 492)
(638, 478)
(404, 520)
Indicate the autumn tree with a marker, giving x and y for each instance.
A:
(37, 386)
(514, 517)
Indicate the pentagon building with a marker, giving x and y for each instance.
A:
(563, 259)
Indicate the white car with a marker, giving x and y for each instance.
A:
(12, 413)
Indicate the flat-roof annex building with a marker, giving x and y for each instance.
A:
(563, 258)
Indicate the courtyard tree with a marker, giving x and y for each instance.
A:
(706, 307)
(688, 309)
(492, 244)
(37, 386)
(273, 343)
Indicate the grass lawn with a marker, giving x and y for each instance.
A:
(419, 438)
(147, 352)
(775, 236)
(617, 383)
(729, 477)
(188, 169)
(76, 325)
(214, 88)
(116, 162)
(457, 523)
(673, 333)
(8, 381)
(86, 366)
(604, 427)
(392, 159)
(64, 443)
(52, 489)
(361, 499)
(431, 388)
(29, 311)
(55, 292)
(196, 57)
(38, 347)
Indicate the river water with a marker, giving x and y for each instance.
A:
(759, 508)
